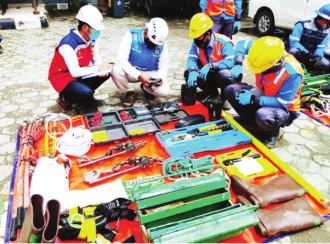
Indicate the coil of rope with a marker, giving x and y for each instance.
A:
(74, 142)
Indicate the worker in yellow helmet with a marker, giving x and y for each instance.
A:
(211, 57)
(275, 102)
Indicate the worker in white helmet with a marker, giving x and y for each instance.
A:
(143, 57)
(72, 59)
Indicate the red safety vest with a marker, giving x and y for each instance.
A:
(275, 82)
(216, 7)
(216, 55)
(59, 74)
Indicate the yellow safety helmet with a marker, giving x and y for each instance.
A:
(199, 24)
(265, 53)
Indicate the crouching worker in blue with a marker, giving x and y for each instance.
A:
(310, 41)
(211, 57)
(279, 77)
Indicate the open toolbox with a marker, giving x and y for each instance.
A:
(188, 210)
(237, 161)
(142, 127)
(167, 112)
(140, 112)
(211, 136)
(113, 116)
(107, 134)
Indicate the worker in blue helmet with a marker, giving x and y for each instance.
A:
(309, 41)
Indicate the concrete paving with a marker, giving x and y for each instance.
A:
(26, 91)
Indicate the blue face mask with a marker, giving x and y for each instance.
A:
(95, 34)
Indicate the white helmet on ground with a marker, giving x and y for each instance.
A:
(157, 30)
(92, 16)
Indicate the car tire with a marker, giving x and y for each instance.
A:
(265, 23)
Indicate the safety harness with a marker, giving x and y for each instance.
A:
(317, 101)
(91, 222)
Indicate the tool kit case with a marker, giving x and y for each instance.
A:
(140, 112)
(110, 134)
(167, 112)
(142, 127)
(112, 115)
(189, 210)
(211, 142)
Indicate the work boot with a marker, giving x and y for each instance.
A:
(271, 141)
(34, 222)
(226, 105)
(289, 217)
(65, 107)
(129, 99)
(52, 217)
(250, 125)
(280, 189)
(97, 102)
(147, 95)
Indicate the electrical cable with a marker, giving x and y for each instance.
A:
(74, 142)
(177, 165)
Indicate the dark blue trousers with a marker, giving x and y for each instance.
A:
(82, 90)
(268, 119)
(225, 28)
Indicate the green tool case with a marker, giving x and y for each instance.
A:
(191, 210)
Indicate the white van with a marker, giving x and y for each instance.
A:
(268, 14)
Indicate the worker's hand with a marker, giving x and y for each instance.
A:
(192, 78)
(145, 80)
(104, 74)
(237, 27)
(204, 71)
(157, 84)
(244, 97)
(307, 55)
(317, 61)
(105, 66)
(236, 71)
(318, 52)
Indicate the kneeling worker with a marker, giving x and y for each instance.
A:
(142, 57)
(211, 57)
(279, 75)
(309, 41)
(71, 62)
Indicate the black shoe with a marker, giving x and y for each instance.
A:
(202, 95)
(97, 103)
(64, 107)
(226, 105)
(271, 141)
(129, 99)
(147, 95)
(246, 124)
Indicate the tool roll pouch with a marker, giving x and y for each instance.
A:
(84, 223)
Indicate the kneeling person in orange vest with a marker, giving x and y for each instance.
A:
(211, 57)
(279, 76)
(71, 62)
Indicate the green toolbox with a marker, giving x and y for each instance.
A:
(191, 210)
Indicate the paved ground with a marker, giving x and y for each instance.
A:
(25, 91)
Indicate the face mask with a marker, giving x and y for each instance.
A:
(201, 43)
(149, 44)
(94, 35)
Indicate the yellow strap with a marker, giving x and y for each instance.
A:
(54, 140)
(88, 228)
(102, 238)
(46, 145)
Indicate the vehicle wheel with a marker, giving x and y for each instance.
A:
(265, 23)
(151, 10)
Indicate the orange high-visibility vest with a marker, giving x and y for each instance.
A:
(216, 55)
(271, 83)
(216, 7)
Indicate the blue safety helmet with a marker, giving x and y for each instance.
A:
(324, 12)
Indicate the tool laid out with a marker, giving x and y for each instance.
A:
(191, 210)
(141, 162)
(214, 135)
(167, 112)
(246, 163)
(129, 147)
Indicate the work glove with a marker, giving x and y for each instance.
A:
(192, 78)
(244, 97)
(307, 55)
(236, 71)
(318, 52)
(204, 71)
(317, 61)
(237, 27)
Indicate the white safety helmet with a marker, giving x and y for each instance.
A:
(157, 31)
(92, 16)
